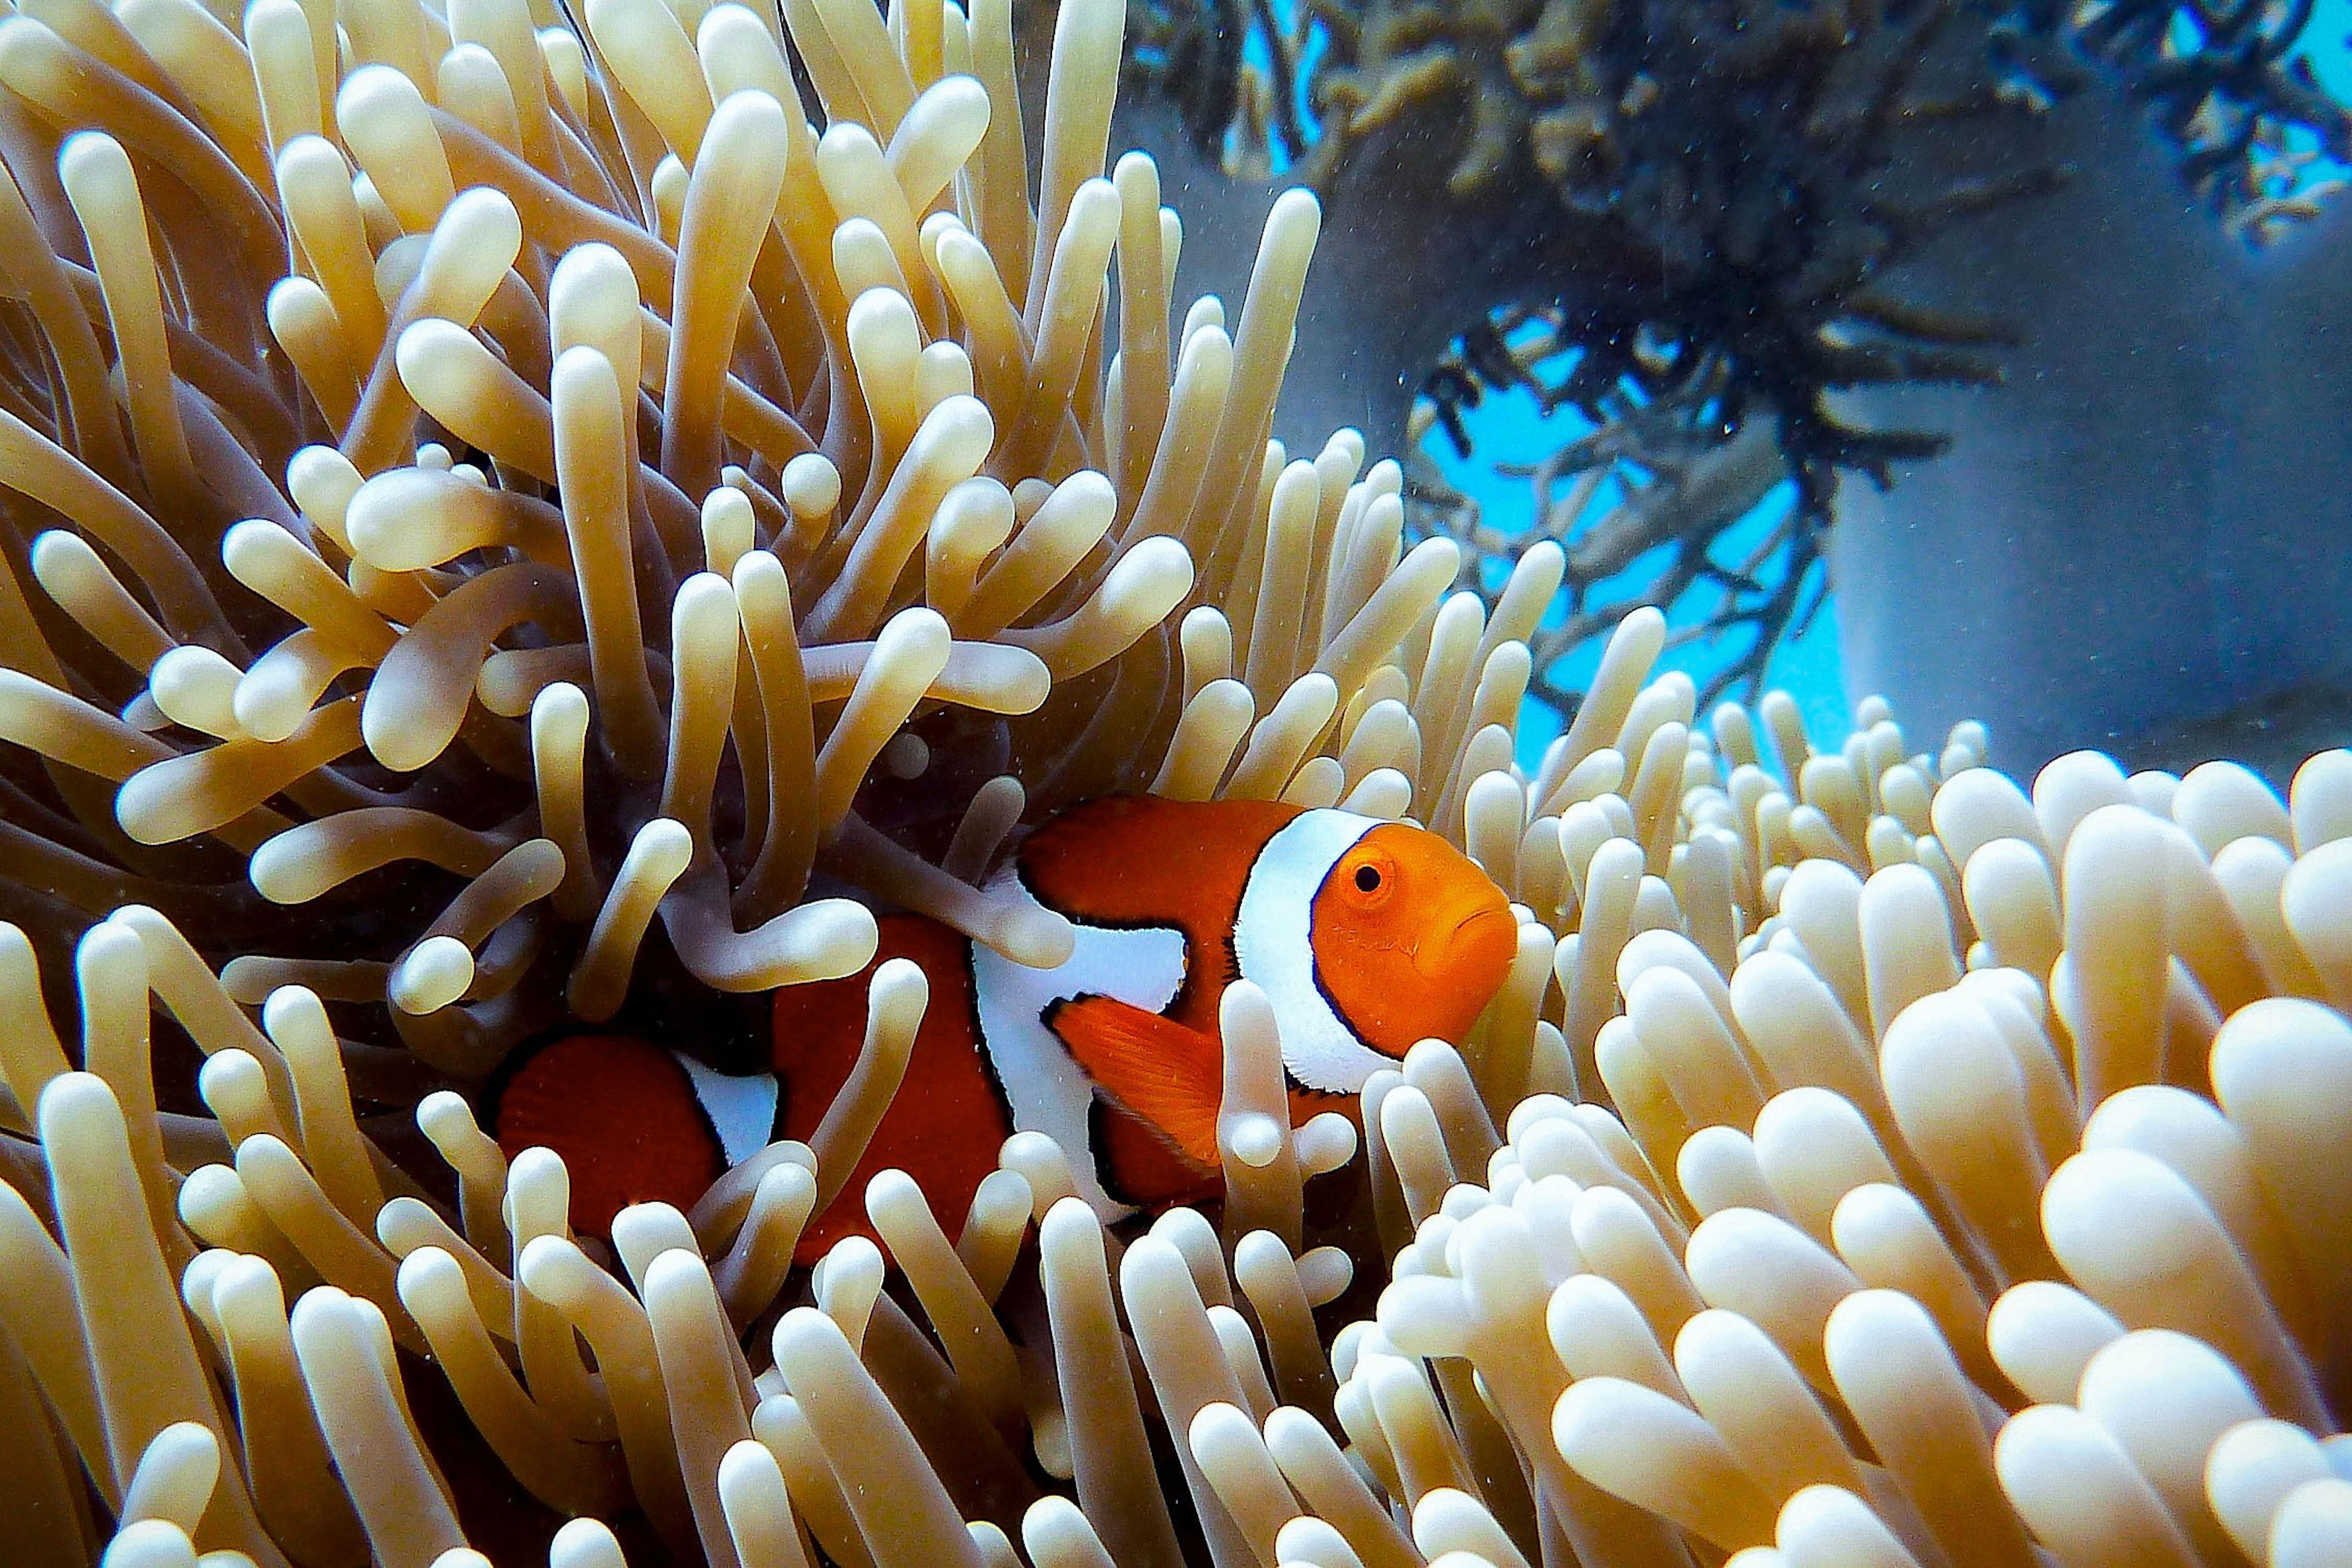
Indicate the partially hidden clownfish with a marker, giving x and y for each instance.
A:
(1367, 937)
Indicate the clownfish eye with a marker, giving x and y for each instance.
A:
(1370, 879)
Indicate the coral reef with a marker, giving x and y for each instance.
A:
(1863, 1160)
(1708, 199)
(2229, 87)
(1701, 221)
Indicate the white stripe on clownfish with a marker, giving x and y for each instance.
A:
(1044, 1089)
(741, 1109)
(1274, 941)
(1044, 1086)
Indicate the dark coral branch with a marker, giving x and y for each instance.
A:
(1720, 196)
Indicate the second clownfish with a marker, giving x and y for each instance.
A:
(1367, 937)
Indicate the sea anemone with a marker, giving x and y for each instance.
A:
(863, 502)
(1904, 1107)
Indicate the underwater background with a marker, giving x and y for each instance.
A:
(1806, 663)
(2117, 337)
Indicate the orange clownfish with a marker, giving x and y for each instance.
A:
(1367, 937)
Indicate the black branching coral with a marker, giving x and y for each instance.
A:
(1712, 204)
(2228, 88)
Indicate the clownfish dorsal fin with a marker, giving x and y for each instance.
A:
(1128, 861)
(1163, 1072)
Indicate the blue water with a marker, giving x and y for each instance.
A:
(1513, 427)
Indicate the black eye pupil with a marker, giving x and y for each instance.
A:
(1367, 879)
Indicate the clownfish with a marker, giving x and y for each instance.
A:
(1367, 937)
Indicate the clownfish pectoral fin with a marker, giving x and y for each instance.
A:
(1166, 1074)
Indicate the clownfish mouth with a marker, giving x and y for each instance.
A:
(1485, 938)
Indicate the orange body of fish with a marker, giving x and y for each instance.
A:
(1367, 938)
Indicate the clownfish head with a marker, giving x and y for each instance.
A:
(1368, 938)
